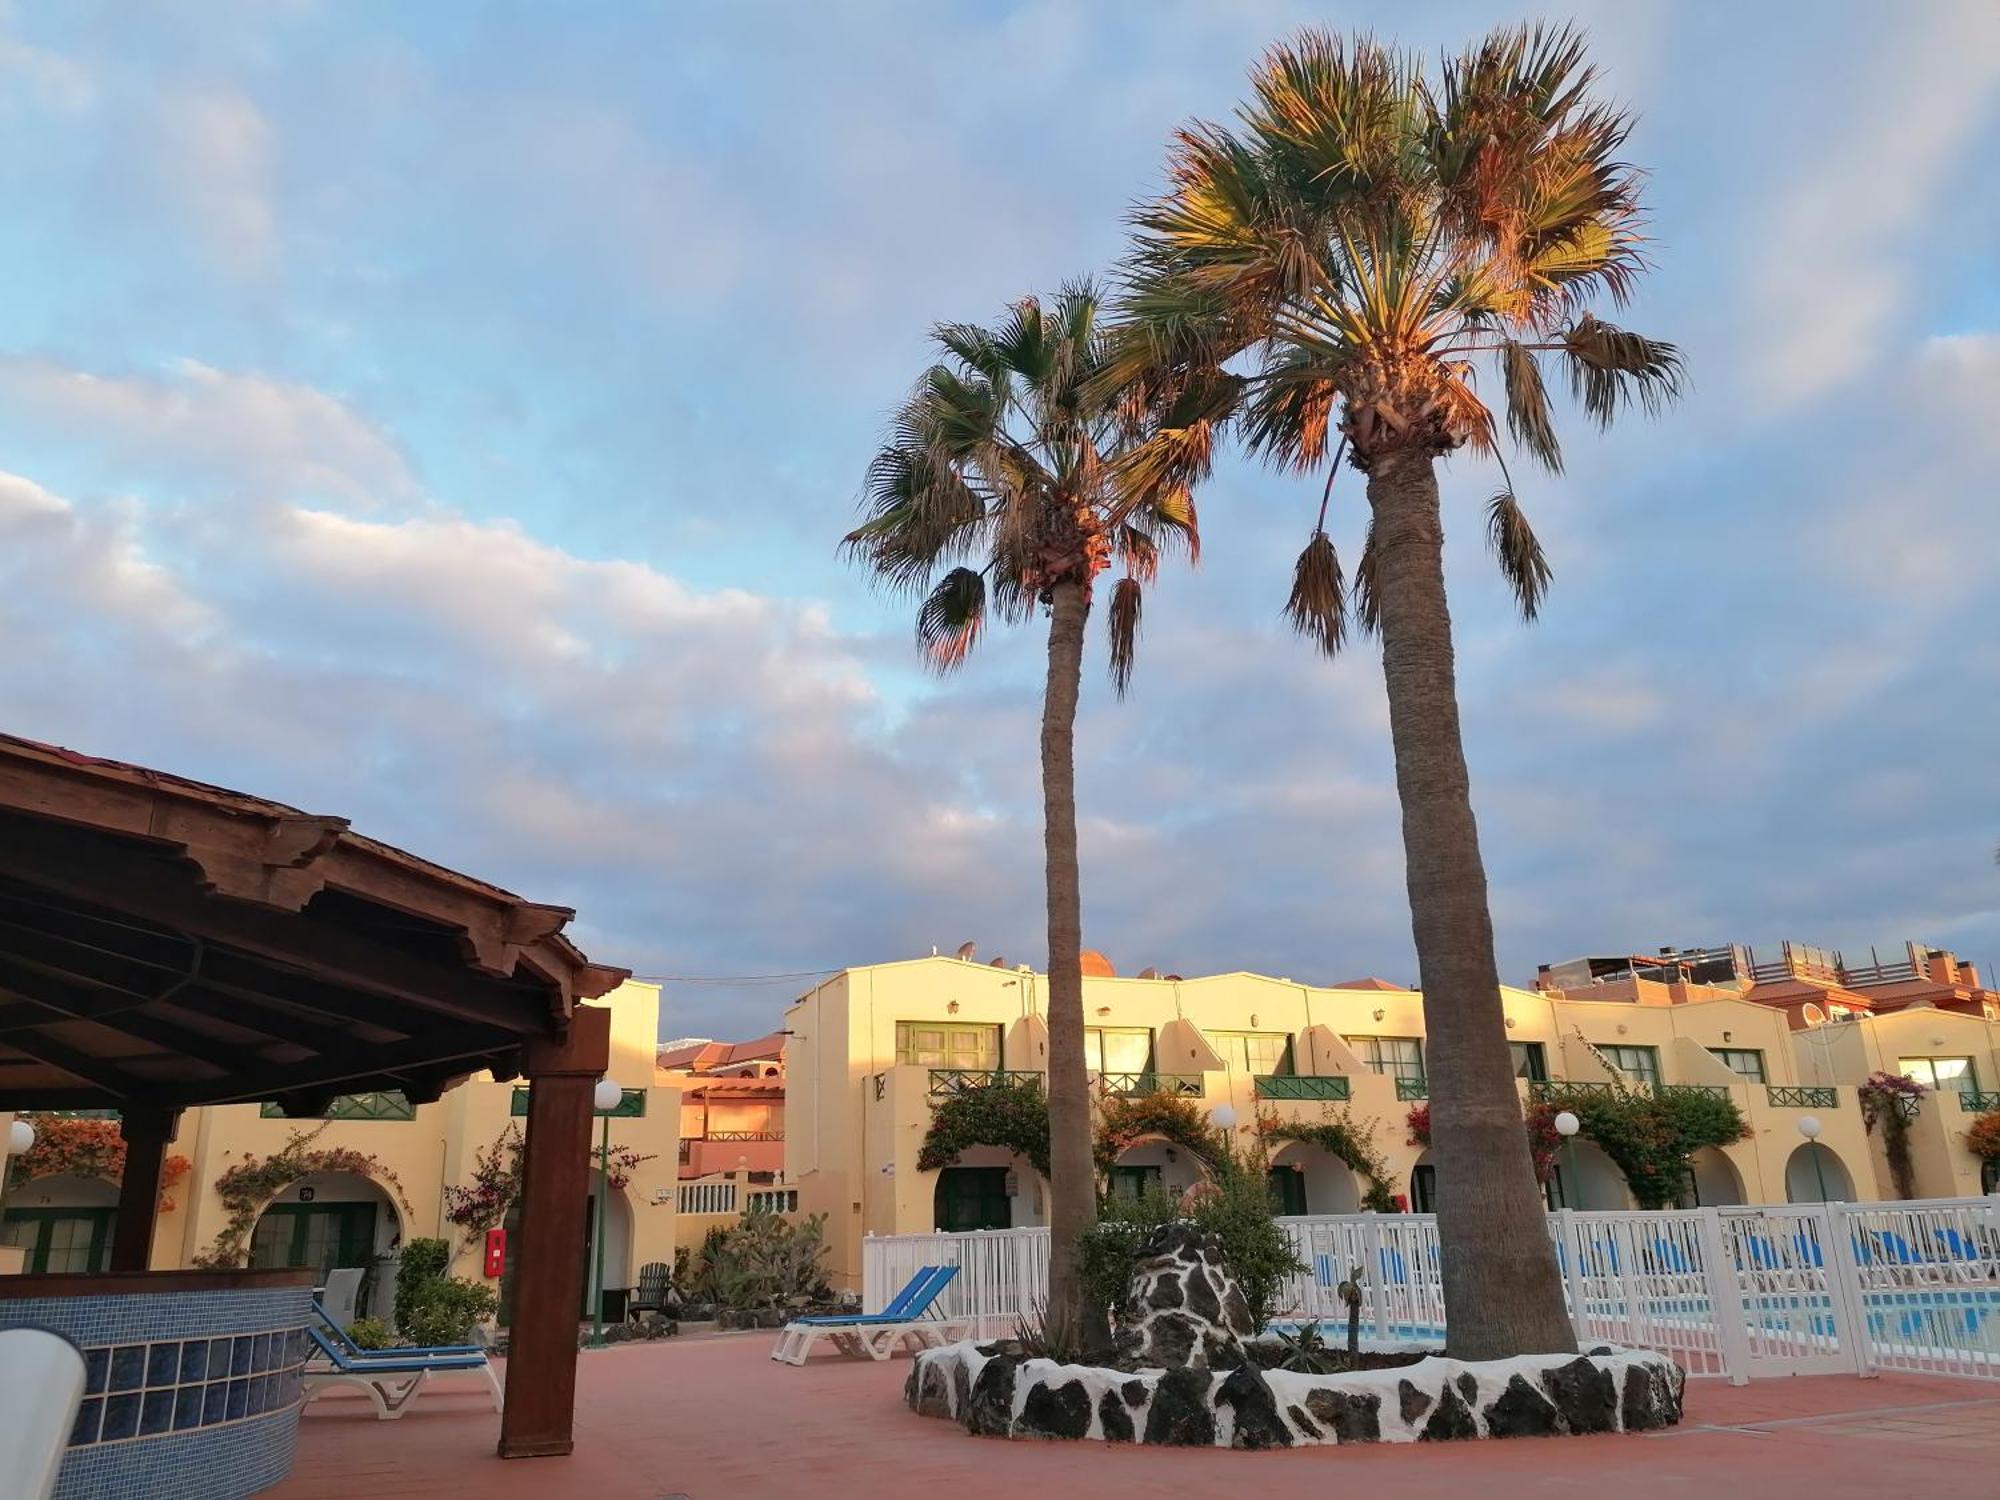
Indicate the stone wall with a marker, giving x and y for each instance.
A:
(998, 1394)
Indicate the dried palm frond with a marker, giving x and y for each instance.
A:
(950, 619)
(1520, 554)
(1318, 606)
(1367, 598)
(1124, 617)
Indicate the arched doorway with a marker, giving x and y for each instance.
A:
(1424, 1185)
(1813, 1174)
(1713, 1181)
(63, 1222)
(988, 1187)
(1154, 1165)
(619, 1276)
(1306, 1178)
(326, 1221)
(1586, 1178)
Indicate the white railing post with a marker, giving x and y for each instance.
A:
(1843, 1285)
(1571, 1261)
(1725, 1297)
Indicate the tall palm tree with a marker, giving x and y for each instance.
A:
(1340, 264)
(999, 491)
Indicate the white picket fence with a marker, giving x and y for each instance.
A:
(1736, 1292)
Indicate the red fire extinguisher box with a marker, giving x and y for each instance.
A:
(496, 1252)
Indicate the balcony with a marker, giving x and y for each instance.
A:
(1142, 1085)
(1977, 1101)
(949, 1083)
(1545, 1090)
(1409, 1089)
(1293, 1086)
(1783, 1096)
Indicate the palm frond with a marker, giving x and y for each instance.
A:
(1528, 416)
(1124, 621)
(1520, 554)
(1367, 597)
(1611, 368)
(1318, 605)
(951, 617)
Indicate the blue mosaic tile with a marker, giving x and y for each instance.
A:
(163, 1361)
(96, 1370)
(239, 1399)
(188, 1412)
(239, 1357)
(85, 1428)
(217, 1407)
(157, 1415)
(194, 1359)
(121, 1418)
(128, 1367)
(260, 1353)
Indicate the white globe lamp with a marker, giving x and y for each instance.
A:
(607, 1096)
(20, 1138)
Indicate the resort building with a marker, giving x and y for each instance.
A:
(389, 1166)
(732, 1133)
(874, 1050)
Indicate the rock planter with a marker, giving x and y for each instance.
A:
(997, 1393)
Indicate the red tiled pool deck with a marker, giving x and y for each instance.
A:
(712, 1416)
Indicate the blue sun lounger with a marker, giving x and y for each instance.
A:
(908, 1319)
(392, 1378)
(337, 1336)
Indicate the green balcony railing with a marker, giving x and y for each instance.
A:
(947, 1083)
(1691, 1090)
(631, 1105)
(1290, 1086)
(1142, 1085)
(1784, 1096)
(1413, 1088)
(1978, 1101)
(1544, 1089)
(386, 1104)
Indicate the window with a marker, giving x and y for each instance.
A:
(1391, 1056)
(388, 1104)
(1641, 1064)
(1262, 1054)
(323, 1236)
(60, 1239)
(1953, 1075)
(1131, 1183)
(972, 1198)
(936, 1044)
(1744, 1062)
(1530, 1061)
(1108, 1051)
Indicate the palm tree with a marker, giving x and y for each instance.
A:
(999, 490)
(1340, 264)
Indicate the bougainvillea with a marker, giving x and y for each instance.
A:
(1982, 1136)
(1651, 1137)
(1174, 1118)
(482, 1204)
(247, 1188)
(1891, 1100)
(66, 1146)
(1339, 1135)
(1011, 1116)
(1544, 1140)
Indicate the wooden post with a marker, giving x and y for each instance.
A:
(547, 1248)
(147, 1130)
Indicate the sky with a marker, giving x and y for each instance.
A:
(445, 416)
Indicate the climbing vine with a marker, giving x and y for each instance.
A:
(1539, 1119)
(1011, 1116)
(1339, 1135)
(1650, 1137)
(1982, 1137)
(247, 1189)
(496, 1181)
(66, 1146)
(1174, 1118)
(1891, 1100)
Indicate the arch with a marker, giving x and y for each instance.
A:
(1589, 1179)
(1153, 1161)
(1330, 1184)
(618, 1241)
(64, 1190)
(1811, 1167)
(1715, 1181)
(327, 1219)
(988, 1187)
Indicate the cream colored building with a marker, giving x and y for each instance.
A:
(357, 1216)
(873, 1049)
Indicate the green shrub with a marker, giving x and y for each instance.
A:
(371, 1333)
(422, 1263)
(447, 1311)
(763, 1260)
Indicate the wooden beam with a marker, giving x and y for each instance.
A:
(146, 1133)
(340, 1071)
(97, 1071)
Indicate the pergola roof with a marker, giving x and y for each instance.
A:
(170, 943)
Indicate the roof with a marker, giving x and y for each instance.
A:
(169, 942)
(734, 1088)
(709, 1057)
(1371, 983)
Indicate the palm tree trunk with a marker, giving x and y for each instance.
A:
(1072, 1190)
(1502, 1288)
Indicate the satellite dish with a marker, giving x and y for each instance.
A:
(1149, 972)
(996, 962)
(1920, 1005)
(1814, 1016)
(966, 950)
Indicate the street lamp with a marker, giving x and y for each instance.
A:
(20, 1141)
(1223, 1117)
(1809, 1127)
(1567, 1125)
(604, 1100)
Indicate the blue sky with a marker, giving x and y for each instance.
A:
(445, 415)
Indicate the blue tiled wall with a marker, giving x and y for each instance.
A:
(188, 1395)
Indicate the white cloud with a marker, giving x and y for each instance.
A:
(216, 156)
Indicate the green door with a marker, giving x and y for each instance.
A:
(61, 1239)
(1288, 1191)
(323, 1236)
(1135, 1182)
(1424, 1190)
(972, 1198)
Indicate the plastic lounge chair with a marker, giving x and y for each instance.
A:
(394, 1381)
(651, 1293)
(337, 1336)
(342, 1294)
(908, 1320)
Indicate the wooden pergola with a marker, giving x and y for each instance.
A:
(165, 944)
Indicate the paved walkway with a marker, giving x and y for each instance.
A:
(714, 1417)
